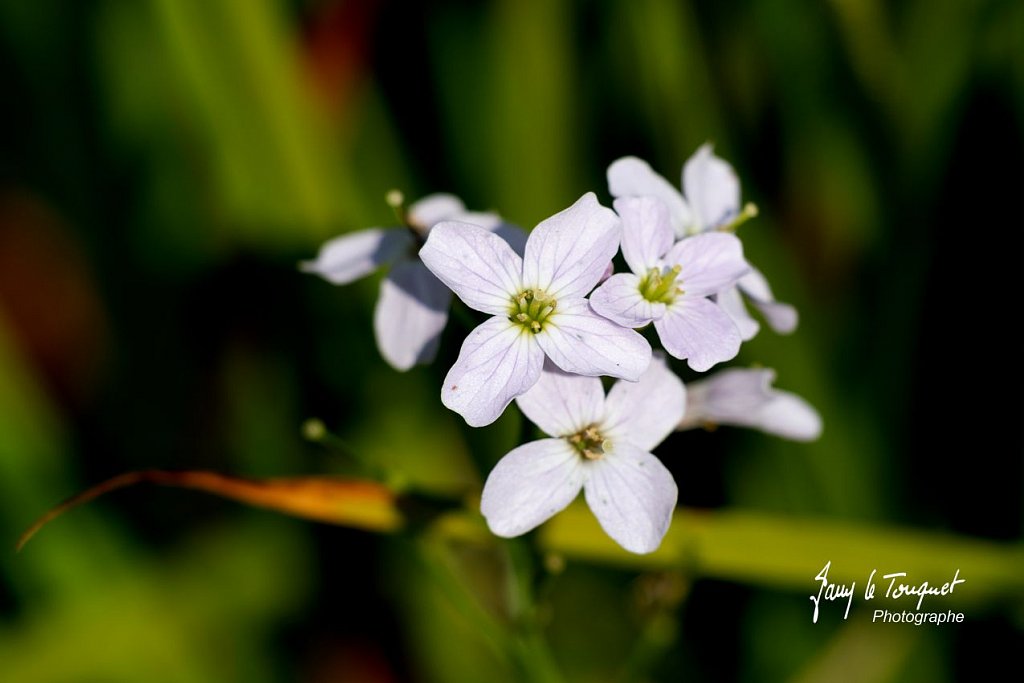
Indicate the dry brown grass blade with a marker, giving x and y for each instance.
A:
(347, 502)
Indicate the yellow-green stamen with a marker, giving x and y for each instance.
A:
(531, 308)
(660, 287)
(590, 444)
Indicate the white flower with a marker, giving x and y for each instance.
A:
(712, 202)
(745, 398)
(753, 287)
(601, 445)
(412, 309)
(671, 284)
(538, 306)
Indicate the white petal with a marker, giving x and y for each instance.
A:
(357, 254)
(410, 315)
(498, 362)
(567, 254)
(488, 220)
(578, 340)
(646, 231)
(731, 301)
(744, 397)
(790, 417)
(477, 265)
(755, 285)
(731, 396)
(710, 262)
(711, 188)
(434, 208)
(513, 234)
(780, 317)
(633, 496)
(698, 331)
(619, 300)
(531, 484)
(643, 413)
(562, 404)
(632, 177)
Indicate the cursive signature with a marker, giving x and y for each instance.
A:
(831, 591)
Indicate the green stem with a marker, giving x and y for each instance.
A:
(534, 654)
(439, 567)
(654, 641)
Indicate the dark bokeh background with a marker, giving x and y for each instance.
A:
(165, 164)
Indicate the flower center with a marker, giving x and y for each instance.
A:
(531, 308)
(660, 286)
(590, 444)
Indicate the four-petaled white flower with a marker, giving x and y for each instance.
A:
(412, 308)
(671, 284)
(538, 307)
(744, 397)
(598, 444)
(712, 202)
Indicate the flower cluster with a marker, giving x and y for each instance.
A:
(559, 318)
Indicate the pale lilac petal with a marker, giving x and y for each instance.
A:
(643, 413)
(698, 331)
(567, 254)
(646, 231)
(425, 213)
(349, 257)
(744, 397)
(633, 496)
(619, 300)
(632, 177)
(790, 417)
(711, 188)
(580, 341)
(530, 485)
(731, 301)
(513, 234)
(755, 285)
(488, 220)
(731, 396)
(608, 272)
(477, 265)
(498, 362)
(781, 317)
(710, 262)
(410, 315)
(562, 404)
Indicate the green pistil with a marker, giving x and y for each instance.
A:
(661, 287)
(749, 211)
(531, 308)
(590, 444)
(396, 200)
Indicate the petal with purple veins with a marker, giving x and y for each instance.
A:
(698, 331)
(568, 253)
(530, 485)
(479, 266)
(498, 361)
(580, 341)
(633, 496)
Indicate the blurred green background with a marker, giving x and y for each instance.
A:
(165, 164)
